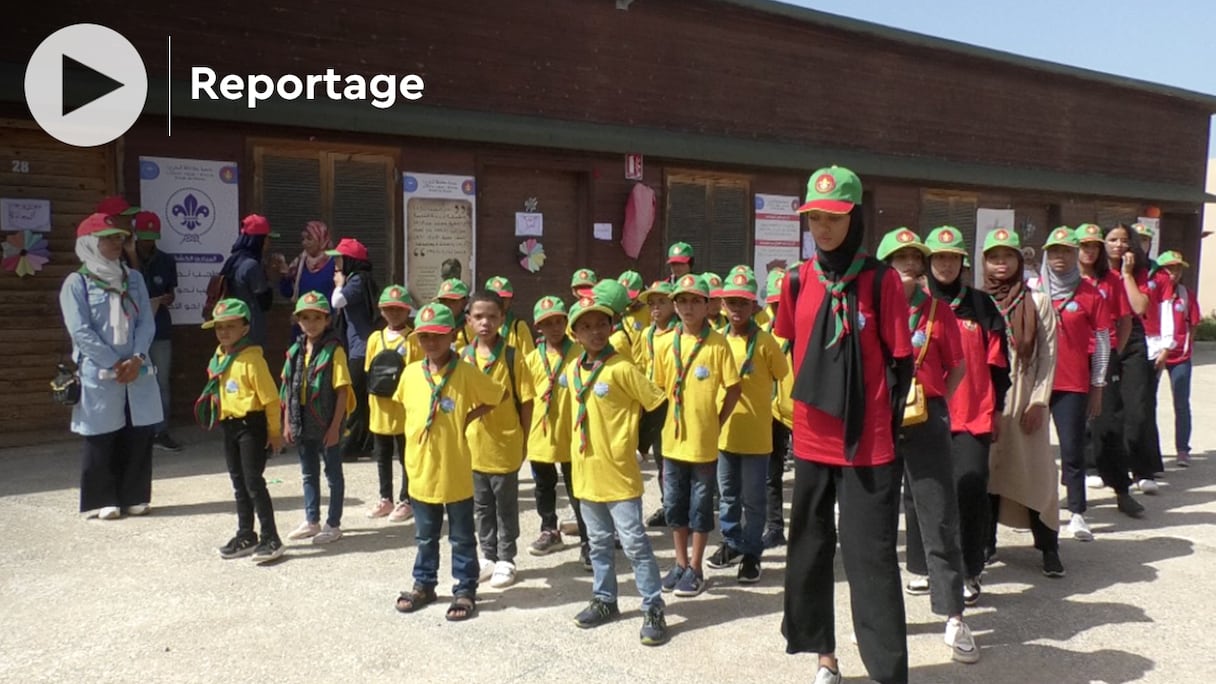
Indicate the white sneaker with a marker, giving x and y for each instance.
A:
(487, 570)
(138, 509)
(971, 591)
(917, 586)
(1094, 482)
(1079, 529)
(109, 513)
(1147, 486)
(826, 676)
(327, 535)
(961, 642)
(304, 531)
(504, 575)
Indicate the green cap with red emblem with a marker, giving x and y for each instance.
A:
(312, 301)
(658, 287)
(632, 280)
(1089, 232)
(946, 240)
(741, 285)
(772, 290)
(395, 295)
(501, 287)
(227, 310)
(1062, 236)
(835, 190)
(434, 318)
(679, 253)
(453, 288)
(1002, 237)
(548, 307)
(690, 283)
(900, 238)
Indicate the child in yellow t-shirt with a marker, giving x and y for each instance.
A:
(636, 318)
(440, 395)
(241, 395)
(315, 391)
(454, 294)
(746, 443)
(549, 437)
(386, 418)
(715, 315)
(498, 440)
(657, 299)
(516, 330)
(693, 365)
(607, 393)
(783, 422)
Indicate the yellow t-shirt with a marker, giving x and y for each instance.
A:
(608, 469)
(520, 337)
(762, 317)
(749, 429)
(247, 387)
(497, 438)
(551, 444)
(712, 371)
(438, 462)
(341, 376)
(622, 344)
(648, 349)
(635, 323)
(783, 398)
(464, 335)
(386, 416)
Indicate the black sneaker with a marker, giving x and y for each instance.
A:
(654, 627)
(238, 546)
(596, 613)
(164, 442)
(584, 557)
(749, 570)
(1128, 506)
(724, 557)
(657, 519)
(773, 538)
(268, 550)
(1052, 567)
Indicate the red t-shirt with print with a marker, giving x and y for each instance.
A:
(945, 350)
(1186, 315)
(819, 437)
(973, 406)
(1077, 319)
(1110, 287)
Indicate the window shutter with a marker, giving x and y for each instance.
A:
(362, 209)
(291, 195)
(687, 219)
(729, 227)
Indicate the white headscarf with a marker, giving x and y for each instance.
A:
(114, 275)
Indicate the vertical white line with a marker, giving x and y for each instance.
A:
(169, 85)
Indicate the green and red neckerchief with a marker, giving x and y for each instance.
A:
(580, 389)
(123, 292)
(436, 391)
(836, 289)
(958, 298)
(508, 326)
(682, 367)
(317, 363)
(748, 365)
(470, 354)
(1060, 303)
(654, 328)
(916, 309)
(552, 373)
(207, 406)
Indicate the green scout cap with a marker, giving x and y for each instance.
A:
(1002, 237)
(632, 280)
(587, 304)
(772, 290)
(658, 287)
(613, 294)
(227, 310)
(946, 240)
(679, 253)
(1088, 232)
(1062, 236)
(900, 238)
(740, 285)
(395, 295)
(835, 190)
(1142, 230)
(583, 277)
(501, 287)
(313, 301)
(548, 307)
(714, 282)
(453, 288)
(691, 284)
(743, 268)
(1171, 258)
(435, 318)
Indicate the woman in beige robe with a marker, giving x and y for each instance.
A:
(1024, 478)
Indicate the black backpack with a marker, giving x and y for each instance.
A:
(384, 372)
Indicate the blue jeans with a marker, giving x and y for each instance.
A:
(1180, 384)
(161, 356)
(428, 525)
(1068, 410)
(688, 494)
(626, 518)
(743, 495)
(311, 454)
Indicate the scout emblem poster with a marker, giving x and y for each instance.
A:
(440, 231)
(196, 201)
(778, 234)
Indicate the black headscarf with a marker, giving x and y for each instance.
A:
(246, 246)
(977, 305)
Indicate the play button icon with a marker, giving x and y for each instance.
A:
(86, 85)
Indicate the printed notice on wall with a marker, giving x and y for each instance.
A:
(778, 235)
(440, 231)
(197, 201)
(25, 214)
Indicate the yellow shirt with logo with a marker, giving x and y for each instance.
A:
(710, 372)
(385, 415)
(438, 461)
(608, 469)
(622, 344)
(247, 387)
(551, 443)
(634, 324)
(749, 429)
(497, 438)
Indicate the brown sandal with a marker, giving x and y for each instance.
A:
(418, 597)
(461, 609)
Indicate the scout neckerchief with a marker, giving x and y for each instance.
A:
(916, 309)
(508, 326)
(123, 291)
(748, 365)
(551, 372)
(470, 354)
(682, 367)
(580, 389)
(310, 374)
(207, 406)
(436, 391)
(654, 327)
(836, 289)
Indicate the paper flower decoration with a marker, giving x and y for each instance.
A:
(534, 255)
(25, 252)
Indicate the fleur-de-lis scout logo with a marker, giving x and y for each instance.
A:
(586, 302)
(677, 249)
(310, 298)
(221, 308)
(1061, 234)
(1001, 234)
(394, 293)
(1091, 229)
(546, 304)
(905, 236)
(740, 279)
(825, 184)
(688, 281)
(584, 275)
(427, 315)
(946, 236)
(447, 287)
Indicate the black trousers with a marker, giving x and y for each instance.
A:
(1045, 538)
(775, 517)
(970, 453)
(358, 437)
(1106, 433)
(931, 508)
(1068, 412)
(869, 516)
(387, 450)
(116, 468)
(544, 477)
(245, 455)
(1139, 394)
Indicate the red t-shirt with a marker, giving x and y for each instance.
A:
(1078, 318)
(1110, 286)
(1157, 289)
(973, 406)
(1186, 316)
(818, 436)
(945, 349)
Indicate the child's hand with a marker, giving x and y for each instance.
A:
(332, 435)
(275, 442)
(288, 437)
